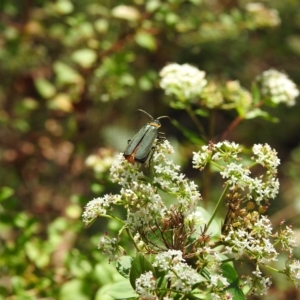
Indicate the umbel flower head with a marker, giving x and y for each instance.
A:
(147, 213)
(185, 82)
(277, 88)
(259, 15)
(237, 175)
(189, 254)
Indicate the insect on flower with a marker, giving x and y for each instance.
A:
(139, 148)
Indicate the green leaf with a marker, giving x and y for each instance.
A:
(258, 113)
(5, 192)
(22, 125)
(63, 7)
(254, 113)
(201, 112)
(36, 253)
(153, 5)
(145, 83)
(178, 104)
(230, 273)
(140, 265)
(66, 74)
(145, 40)
(84, 57)
(255, 93)
(101, 25)
(44, 87)
(106, 274)
(121, 290)
(127, 79)
(124, 265)
(75, 289)
(30, 103)
(194, 138)
(101, 296)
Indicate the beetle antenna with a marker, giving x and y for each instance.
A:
(163, 117)
(146, 113)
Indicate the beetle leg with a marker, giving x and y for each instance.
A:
(149, 160)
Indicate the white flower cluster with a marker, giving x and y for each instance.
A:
(169, 179)
(182, 81)
(266, 156)
(110, 247)
(258, 189)
(182, 277)
(145, 286)
(293, 271)
(210, 258)
(215, 152)
(224, 155)
(262, 16)
(97, 207)
(158, 230)
(253, 240)
(259, 284)
(286, 237)
(215, 279)
(277, 87)
(144, 203)
(166, 259)
(141, 198)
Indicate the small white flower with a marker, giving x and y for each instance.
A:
(183, 277)
(265, 283)
(145, 286)
(165, 260)
(223, 150)
(254, 241)
(201, 158)
(195, 217)
(98, 207)
(287, 239)
(183, 81)
(266, 156)
(237, 175)
(277, 87)
(257, 273)
(216, 279)
(293, 271)
(110, 247)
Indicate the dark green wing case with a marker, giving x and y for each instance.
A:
(142, 142)
(146, 144)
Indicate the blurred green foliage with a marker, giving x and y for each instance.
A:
(72, 75)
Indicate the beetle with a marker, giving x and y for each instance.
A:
(139, 148)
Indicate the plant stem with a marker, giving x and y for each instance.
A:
(231, 126)
(195, 120)
(217, 206)
(132, 239)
